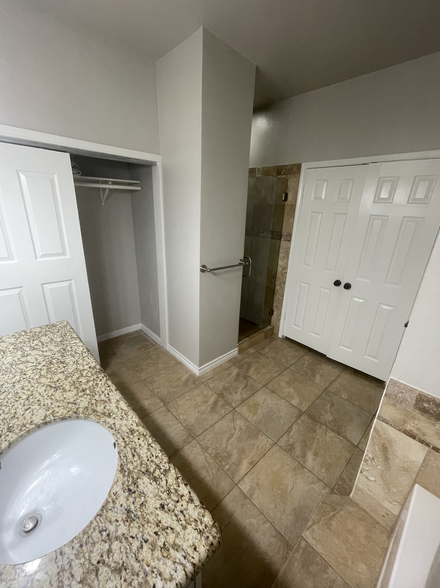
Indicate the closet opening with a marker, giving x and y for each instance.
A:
(116, 212)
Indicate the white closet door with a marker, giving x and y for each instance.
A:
(43, 275)
(324, 231)
(398, 221)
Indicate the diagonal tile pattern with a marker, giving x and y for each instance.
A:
(267, 441)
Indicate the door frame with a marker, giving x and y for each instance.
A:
(434, 154)
(39, 139)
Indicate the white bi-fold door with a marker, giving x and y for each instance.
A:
(388, 235)
(43, 275)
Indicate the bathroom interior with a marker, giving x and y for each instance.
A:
(219, 282)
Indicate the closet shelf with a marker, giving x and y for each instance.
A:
(105, 185)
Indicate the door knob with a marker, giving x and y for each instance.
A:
(337, 283)
(347, 286)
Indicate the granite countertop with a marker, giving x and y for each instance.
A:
(152, 529)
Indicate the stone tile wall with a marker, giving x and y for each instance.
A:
(403, 450)
(292, 173)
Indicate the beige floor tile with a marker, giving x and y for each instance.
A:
(139, 396)
(252, 551)
(199, 408)
(285, 491)
(107, 356)
(364, 441)
(269, 412)
(305, 568)
(351, 541)
(220, 369)
(150, 362)
(166, 429)
(172, 381)
(233, 385)
(364, 376)
(260, 368)
(284, 351)
(358, 391)
(390, 466)
(132, 345)
(122, 337)
(339, 415)
(320, 370)
(322, 451)
(346, 481)
(236, 444)
(203, 474)
(297, 389)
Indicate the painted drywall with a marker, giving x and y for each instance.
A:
(179, 78)
(417, 362)
(227, 99)
(395, 110)
(109, 248)
(145, 242)
(56, 79)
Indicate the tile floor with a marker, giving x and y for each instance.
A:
(271, 442)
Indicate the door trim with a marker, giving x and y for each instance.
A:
(27, 137)
(435, 154)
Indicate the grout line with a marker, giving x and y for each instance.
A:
(323, 558)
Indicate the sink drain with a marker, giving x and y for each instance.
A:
(30, 524)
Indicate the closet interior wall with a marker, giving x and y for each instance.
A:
(119, 247)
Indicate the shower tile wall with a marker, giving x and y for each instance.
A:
(288, 176)
(264, 222)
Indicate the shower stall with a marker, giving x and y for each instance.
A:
(267, 195)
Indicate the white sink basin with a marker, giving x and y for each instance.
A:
(52, 484)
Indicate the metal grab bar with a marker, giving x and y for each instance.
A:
(246, 261)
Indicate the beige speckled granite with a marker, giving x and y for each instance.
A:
(152, 529)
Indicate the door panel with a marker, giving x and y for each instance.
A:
(324, 230)
(396, 228)
(43, 276)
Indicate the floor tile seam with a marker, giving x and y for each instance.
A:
(328, 428)
(331, 429)
(213, 459)
(304, 465)
(268, 519)
(136, 354)
(308, 469)
(198, 385)
(343, 472)
(193, 437)
(259, 459)
(346, 400)
(133, 371)
(131, 333)
(201, 433)
(330, 566)
(135, 333)
(258, 427)
(282, 398)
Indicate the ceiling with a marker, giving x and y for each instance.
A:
(297, 45)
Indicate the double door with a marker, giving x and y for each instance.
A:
(363, 237)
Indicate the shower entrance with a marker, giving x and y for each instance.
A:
(264, 226)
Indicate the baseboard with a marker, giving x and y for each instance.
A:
(199, 371)
(151, 335)
(123, 331)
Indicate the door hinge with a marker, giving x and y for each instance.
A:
(271, 311)
(285, 196)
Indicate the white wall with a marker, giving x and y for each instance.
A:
(58, 80)
(395, 110)
(227, 99)
(109, 248)
(418, 359)
(145, 241)
(205, 93)
(179, 78)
